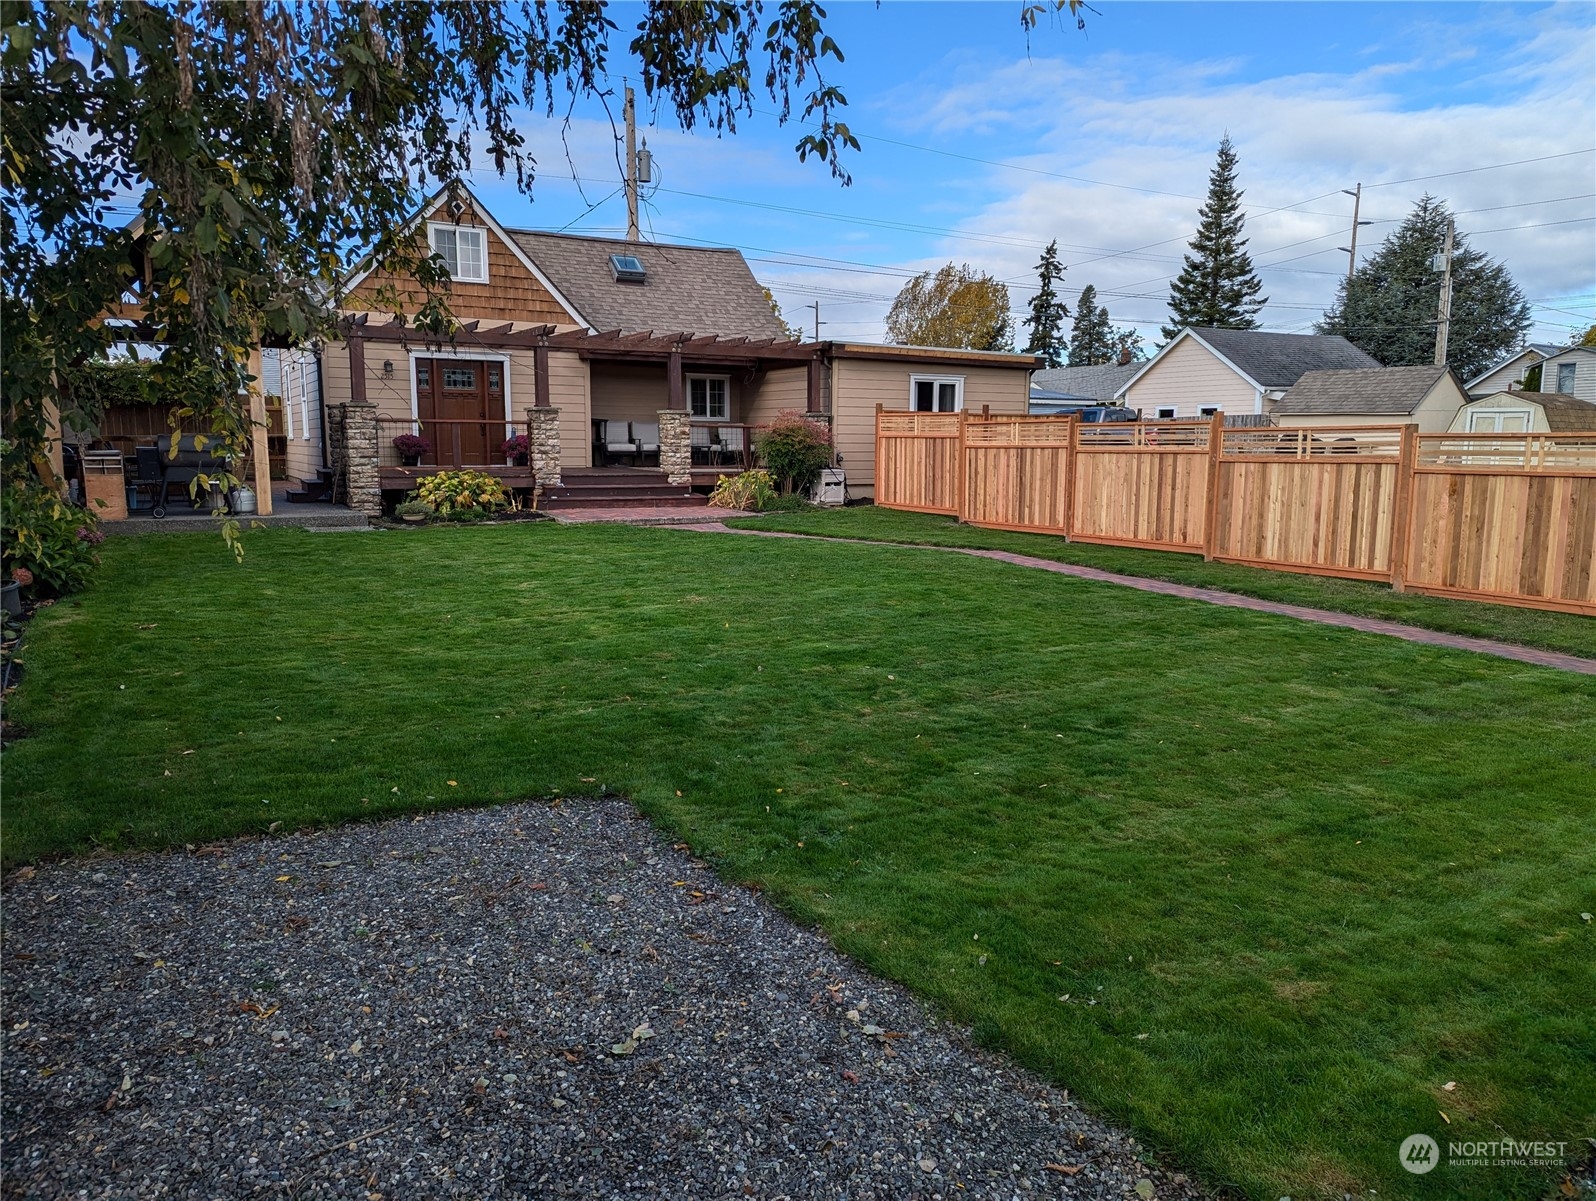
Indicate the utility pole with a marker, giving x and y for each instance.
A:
(816, 306)
(1443, 322)
(1352, 251)
(633, 234)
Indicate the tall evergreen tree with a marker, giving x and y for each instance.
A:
(1091, 337)
(1389, 307)
(1217, 286)
(1048, 310)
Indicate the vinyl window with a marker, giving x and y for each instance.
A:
(936, 393)
(709, 397)
(1565, 377)
(463, 248)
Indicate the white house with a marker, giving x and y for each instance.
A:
(1203, 371)
(1570, 372)
(1503, 375)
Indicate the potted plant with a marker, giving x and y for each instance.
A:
(11, 594)
(517, 450)
(411, 447)
(413, 512)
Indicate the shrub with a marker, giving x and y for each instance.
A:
(794, 449)
(412, 445)
(48, 543)
(467, 514)
(451, 490)
(752, 491)
(792, 502)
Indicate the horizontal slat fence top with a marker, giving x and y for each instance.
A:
(1376, 442)
(1497, 517)
(1572, 453)
(1505, 517)
(917, 461)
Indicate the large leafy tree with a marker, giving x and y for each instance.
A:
(1217, 285)
(1048, 310)
(262, 145)
(953, 306)
(1390, 305)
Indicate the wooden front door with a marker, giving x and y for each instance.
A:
(461, 406)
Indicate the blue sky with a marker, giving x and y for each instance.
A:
(1317, 97)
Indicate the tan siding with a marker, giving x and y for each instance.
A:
(570, 390)
(858, 385)
(1190, 378)
(783, 388)
(624, 392)
(512, 293)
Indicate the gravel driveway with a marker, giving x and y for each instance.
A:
(516, 1002)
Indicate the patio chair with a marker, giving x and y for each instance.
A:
(700, 445)
(732, 442)
(150, 478)
(646, 434)
(618, 439)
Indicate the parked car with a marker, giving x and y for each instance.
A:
(1098, 413)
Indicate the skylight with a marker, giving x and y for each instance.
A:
(628, 268)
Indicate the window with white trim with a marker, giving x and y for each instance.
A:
(936, 393)
(709, 397)
(463, 248)
(1167, 413)
(1208, 410)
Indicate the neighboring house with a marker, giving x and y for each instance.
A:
(1062, 389)
(1203, 371)
(1503, 375)
(598, 330)
(1428, 397)
(1519, 412)
(1570, 372)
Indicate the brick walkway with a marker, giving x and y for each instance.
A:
(1212, 596)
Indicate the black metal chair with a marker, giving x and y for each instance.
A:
(151, 477)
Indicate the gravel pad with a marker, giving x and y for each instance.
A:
(528, 1001)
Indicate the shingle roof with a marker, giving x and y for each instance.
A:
(1280, 360)
(1564, 413)
(691, 289)
(1090, 383)
(1376, 392)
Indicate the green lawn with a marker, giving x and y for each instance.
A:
(1322, 872)
(1507, 623)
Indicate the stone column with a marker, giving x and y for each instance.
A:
(362, 487)
(676, 446)
(543, 435)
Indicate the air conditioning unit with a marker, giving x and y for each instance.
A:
(831, 488)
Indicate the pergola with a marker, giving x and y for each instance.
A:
(669, 349)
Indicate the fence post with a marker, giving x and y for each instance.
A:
(1402, 510)
(1072, 441)
(959, 473)
(1216, 450)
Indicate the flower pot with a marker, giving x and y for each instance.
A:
(518, 460)
(413, 518)
(11, 598)
(410, 460)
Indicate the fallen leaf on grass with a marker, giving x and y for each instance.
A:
(1069, 1169)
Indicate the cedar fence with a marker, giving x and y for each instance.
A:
(1509, 518)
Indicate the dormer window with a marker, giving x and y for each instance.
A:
(463, 248)
(628, 268)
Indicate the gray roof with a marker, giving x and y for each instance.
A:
(1280, 360)
(1088, 383)
(1564, 413)
(689, 289)
(1375, 392)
